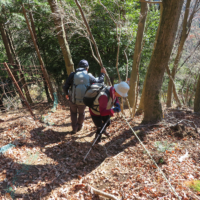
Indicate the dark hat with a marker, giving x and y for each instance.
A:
(83, 64)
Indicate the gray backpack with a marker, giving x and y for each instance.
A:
(91, 94)
(80, 84)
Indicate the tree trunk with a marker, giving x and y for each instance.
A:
(2, 108)
(159, 59)
(184, 35)
(137, 53)
(44, 71)
(33, 26)
(9, 53)
(45, 59)
(98, 59)
(186, 95)
(174, 88)
(197, 97)
(35, 36)
(58, 21)
(44, 82)
(141, 104)
(23, 81)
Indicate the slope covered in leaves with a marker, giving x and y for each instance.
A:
(47, 162)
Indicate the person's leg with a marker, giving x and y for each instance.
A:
(97, 121)
(99, 124)
(81, 117)
(73, 111)
(106, 119)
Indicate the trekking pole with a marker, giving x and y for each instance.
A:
(96, 138)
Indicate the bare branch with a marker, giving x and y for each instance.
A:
(118, 39)
(93, 51)
(198, 44)
(174, 87)
(152, 2)
(92, 38)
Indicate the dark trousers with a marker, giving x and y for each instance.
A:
(99, 121)
(77, 122)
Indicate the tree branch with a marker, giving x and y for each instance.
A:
(92, 38)
(152, 2)
(93, 52)
(174, 87)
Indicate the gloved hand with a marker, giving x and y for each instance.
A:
(117, 105)
(116, 109)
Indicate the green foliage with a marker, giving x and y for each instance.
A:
(3, 56)
(196, 185)
(104, 31)
(125, 13)
(163, 146)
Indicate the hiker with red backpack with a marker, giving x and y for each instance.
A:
(103, 103)
(75, 88)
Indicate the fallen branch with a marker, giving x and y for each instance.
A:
(101, 193)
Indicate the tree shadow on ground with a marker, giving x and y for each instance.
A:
(3, 129)
(67, 161)
(13, 119)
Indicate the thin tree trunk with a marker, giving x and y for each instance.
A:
(58, 21)
(118, 35)
(33, 26)
(184, 35)
(159, 60)
(9, 53)
(141, 104)
(193, 93)
(92, 38)
(186, 95)
(2, 108)
(23, 81)
(174, 87)
(18, 88)
(39, 56)
(197, 97)
(45, 59)
(137, 53)
(44, 82)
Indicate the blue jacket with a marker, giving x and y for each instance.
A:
(69, 81)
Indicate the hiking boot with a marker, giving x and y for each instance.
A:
(79, 128)
(74, 129)
(73, 132)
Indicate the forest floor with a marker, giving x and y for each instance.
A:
(46, 162)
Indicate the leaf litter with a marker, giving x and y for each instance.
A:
(47, 161)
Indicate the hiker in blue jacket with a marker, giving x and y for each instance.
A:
(75, 87)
